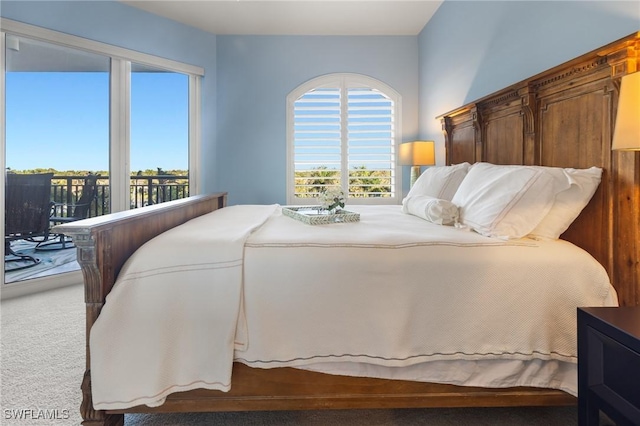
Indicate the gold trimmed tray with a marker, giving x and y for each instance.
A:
(314, 215)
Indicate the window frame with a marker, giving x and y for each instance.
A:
(344, 81)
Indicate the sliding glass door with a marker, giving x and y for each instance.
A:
(57, 122)
(116, 129)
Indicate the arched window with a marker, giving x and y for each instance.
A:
(342, 130)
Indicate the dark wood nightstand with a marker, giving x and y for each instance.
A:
(609, 365)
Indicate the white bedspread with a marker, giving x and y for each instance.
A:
(362, 298)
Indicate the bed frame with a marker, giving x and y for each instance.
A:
(562, 117)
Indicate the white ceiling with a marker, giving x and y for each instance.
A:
(296, 17)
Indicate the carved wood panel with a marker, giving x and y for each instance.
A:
(504, 142)
(461, 148)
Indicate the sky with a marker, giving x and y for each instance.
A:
(60, 120)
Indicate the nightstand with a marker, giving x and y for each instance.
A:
(609, 365)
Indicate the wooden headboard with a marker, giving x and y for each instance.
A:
(564, 117)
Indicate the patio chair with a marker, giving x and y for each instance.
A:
(79, 210)
(27, 211)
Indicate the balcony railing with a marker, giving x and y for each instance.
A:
(144, 190)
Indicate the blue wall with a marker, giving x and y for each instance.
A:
(255, 75)
(114, 23)
(470, 49)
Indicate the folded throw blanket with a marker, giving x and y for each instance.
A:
(436, 210)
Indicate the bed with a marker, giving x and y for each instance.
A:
(561, 118)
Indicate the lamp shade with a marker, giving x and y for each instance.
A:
(418, 153)
(626, 135)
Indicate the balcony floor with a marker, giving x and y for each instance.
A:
(51, 262)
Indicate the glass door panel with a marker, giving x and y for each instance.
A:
(57, 121)
(159, 151)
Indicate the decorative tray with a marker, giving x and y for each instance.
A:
(314, 215)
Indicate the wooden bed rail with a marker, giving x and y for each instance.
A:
(127, 230)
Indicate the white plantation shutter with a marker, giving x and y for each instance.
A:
(342, 131)
(370, 143)
(317, 141)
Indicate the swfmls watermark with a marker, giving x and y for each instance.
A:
(35, 414)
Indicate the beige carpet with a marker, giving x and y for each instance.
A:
(42, 362)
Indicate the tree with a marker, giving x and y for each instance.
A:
(362, 182)
(369, 183)
(312, 182)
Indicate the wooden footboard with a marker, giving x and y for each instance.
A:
(106, 242)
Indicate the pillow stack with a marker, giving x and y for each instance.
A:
(430, 197)
(503, 201)
(568, 204)
(440, 182)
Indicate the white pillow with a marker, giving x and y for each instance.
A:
(440, 182)
(436, 210)
(568, 203)
(505, 201)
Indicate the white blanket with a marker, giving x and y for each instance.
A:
(169, 324)
(390, 291)
(431, 293)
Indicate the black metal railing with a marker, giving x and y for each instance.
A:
(148, 190)
(144, 190)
